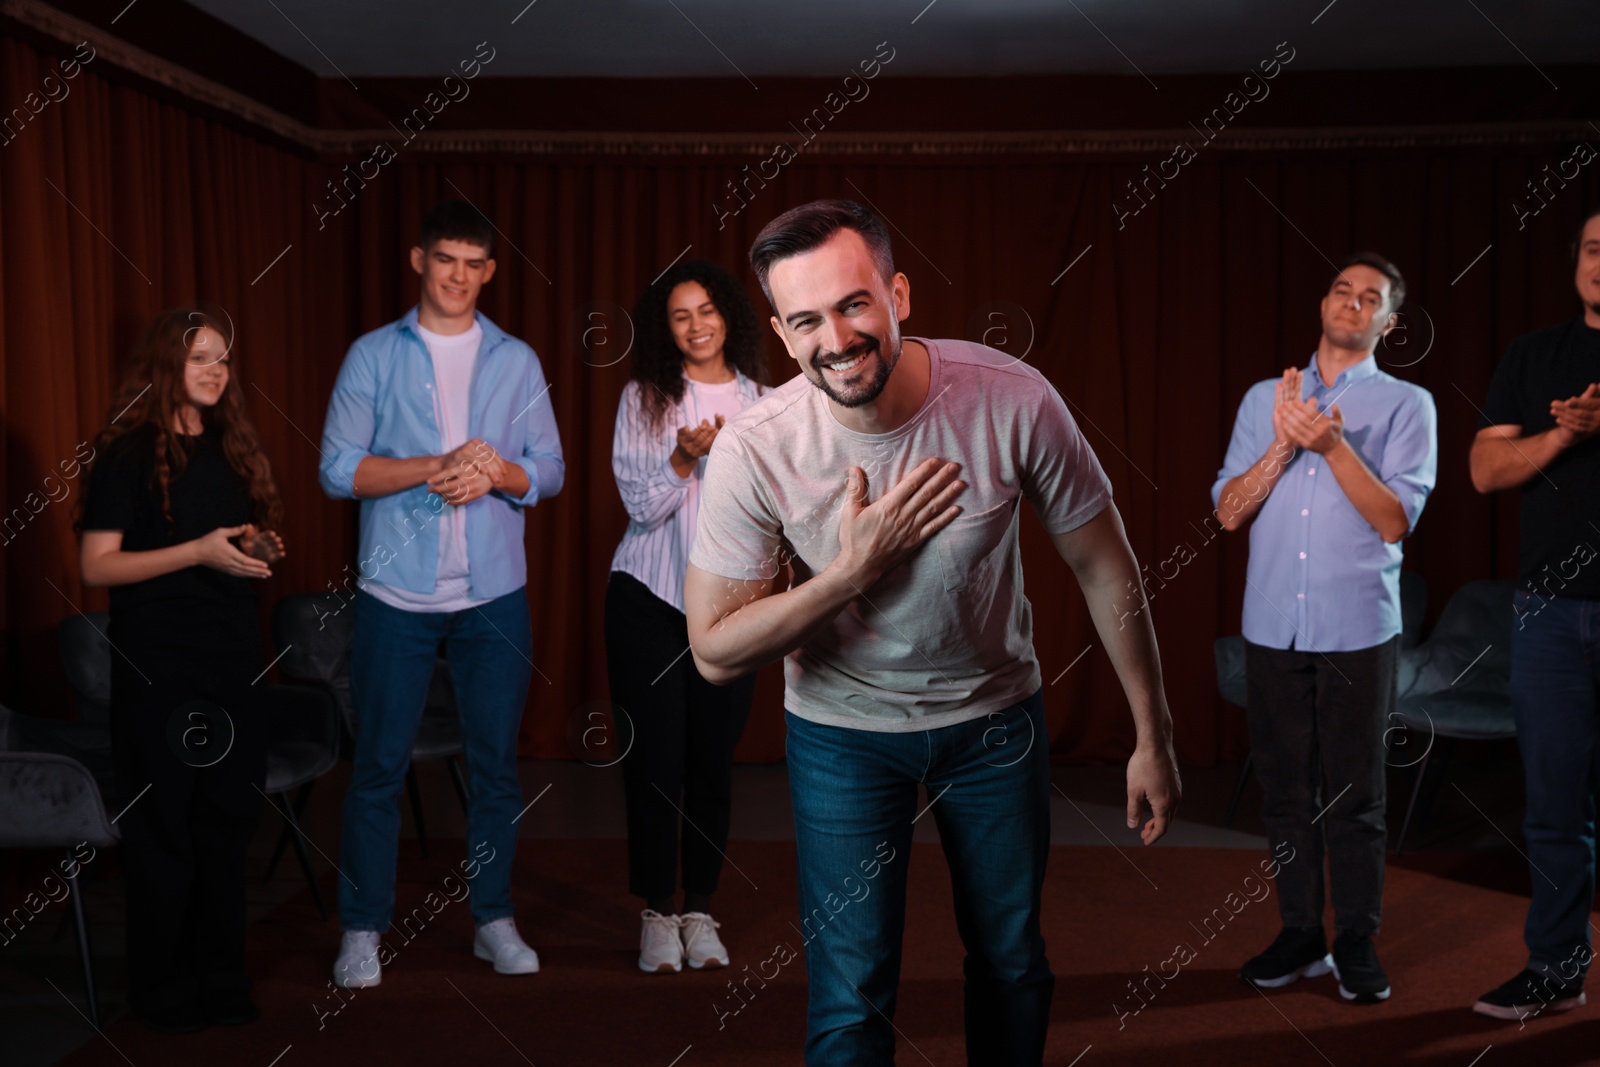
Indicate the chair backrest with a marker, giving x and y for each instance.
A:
(50, 801)
(1413, 606)
(317, 628)
(86, 657)
(1470, 646)
(1229, 655)
(303, 730)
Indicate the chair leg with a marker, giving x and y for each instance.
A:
(84, 955)
(416, 808)
(1445, 747)
(462, 793)
(283, 838)
(1411, 808)
(277, 853)
(281, 802)
(65, 922)
(1238, 787)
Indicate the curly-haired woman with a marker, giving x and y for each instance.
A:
(697, 362)
(179, 519)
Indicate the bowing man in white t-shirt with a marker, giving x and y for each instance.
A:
(888, 476)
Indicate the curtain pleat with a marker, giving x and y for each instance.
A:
(115, 205)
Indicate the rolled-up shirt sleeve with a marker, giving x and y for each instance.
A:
(1411, 455)
(641, 459)
(1251, 437)
(541, 454)
(347, 432)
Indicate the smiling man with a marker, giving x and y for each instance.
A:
(1333, 465)
(888, 475)
(441, 425)
(1538, 431)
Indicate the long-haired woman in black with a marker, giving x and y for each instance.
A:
(180, 520)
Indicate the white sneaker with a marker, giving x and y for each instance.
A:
(357, 966)
(660, 950)
(700, 941)
(499, 941)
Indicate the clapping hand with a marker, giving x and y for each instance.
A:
(1288, 392)
(217, 551)
(1577, 418)
(264, 545)
(1300, 423)
(468, 472)
(1316, 431)
(695, 441)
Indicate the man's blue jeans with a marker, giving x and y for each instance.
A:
(391, 662)
(855, 799)
(1555, 679)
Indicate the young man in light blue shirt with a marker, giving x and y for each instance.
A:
(441, 425)
(1333, 465)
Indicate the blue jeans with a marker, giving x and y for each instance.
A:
(855, 798)
(1555, 679)
(391, 662)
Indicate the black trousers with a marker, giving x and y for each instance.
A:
(1317, 722)
(679, 762)
(189, 758)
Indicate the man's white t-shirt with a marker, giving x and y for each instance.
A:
(454, 356)
(947, 636)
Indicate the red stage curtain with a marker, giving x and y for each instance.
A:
(113, 207)
(1153, 335)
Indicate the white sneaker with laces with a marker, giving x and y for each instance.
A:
(660, 948)
(357, 966)
(499, 942)
(700, 941)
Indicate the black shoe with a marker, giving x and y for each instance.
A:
(1355, 964)
(1529, 994)
(230, 1009)
(1297, 953)
(184, 1018)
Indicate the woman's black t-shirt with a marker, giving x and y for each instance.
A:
(216, 608)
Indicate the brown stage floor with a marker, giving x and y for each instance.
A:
(1452, 930)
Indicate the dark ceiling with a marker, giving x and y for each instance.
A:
(752, 39)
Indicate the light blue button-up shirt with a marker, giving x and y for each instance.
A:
(383, 405)
(1320, 578)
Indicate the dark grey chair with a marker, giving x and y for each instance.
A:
(303, 746)
(317, 631)
(86, 654)
(302, 723)
(1228, 653)
(1456, 685)
(50, 801)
